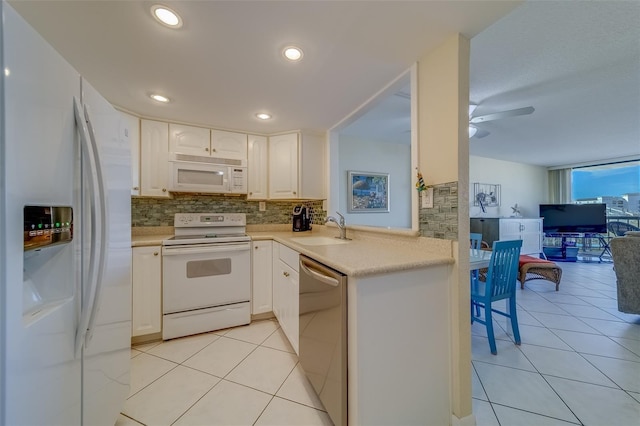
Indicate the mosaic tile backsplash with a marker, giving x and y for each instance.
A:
(439, 222)
(160, 211)
(442, 220)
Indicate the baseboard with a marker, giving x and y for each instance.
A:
(469, 420)
(147, 338)
(263, 316)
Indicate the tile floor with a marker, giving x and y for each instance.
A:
(579, 363)
(241, 376)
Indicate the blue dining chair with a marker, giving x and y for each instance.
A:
(500, 284)
(475, 243)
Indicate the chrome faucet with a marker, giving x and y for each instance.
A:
(341, 225)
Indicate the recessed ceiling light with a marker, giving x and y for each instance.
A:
(166, 16)
(292, 53)
(263, 116)
(159, 98)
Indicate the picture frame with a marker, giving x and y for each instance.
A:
(368, 192)
(486, 194)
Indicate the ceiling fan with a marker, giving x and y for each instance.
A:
(474, 131)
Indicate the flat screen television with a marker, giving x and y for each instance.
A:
(574, 218)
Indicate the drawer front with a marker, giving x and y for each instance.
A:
(289, 256)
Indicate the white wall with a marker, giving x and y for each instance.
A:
(520, 183)
(379, 157)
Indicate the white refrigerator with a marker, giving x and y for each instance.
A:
(65, 246)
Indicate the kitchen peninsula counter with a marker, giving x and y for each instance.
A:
(367, 253)
(398, 317)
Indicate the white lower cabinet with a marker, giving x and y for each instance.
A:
(146, 291)
(285, 291)
(527, 230)
(261, 277)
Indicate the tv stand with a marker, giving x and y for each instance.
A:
(564, 246)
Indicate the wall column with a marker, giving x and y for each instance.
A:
(443, 114)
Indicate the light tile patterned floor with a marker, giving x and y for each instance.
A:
(579, 363)
(241, 376)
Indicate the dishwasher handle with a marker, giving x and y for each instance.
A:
(309, 270)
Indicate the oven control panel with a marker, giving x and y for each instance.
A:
(198, 220)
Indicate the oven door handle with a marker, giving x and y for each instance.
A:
(199, 249)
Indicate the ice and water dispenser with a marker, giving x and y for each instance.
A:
(49, 269)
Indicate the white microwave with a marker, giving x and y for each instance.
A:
(192, 173)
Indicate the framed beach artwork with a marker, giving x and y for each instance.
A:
(368, 192)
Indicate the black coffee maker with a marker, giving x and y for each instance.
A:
(301, 219)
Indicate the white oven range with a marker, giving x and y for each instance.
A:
(206, 276)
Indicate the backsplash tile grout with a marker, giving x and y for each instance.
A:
(441, 221)
(160, 211)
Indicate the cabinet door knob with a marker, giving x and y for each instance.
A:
(213, 150)
(164, 189)
(155, 253)
(206, 149)
(136, 188)
(286, 274)
(256, 247)
(294, 192)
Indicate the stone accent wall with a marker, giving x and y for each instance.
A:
(442, 220)
(160, 211)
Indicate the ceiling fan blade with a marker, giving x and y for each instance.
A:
(502, 114)
(481, 134)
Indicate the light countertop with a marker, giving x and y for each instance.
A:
(368, 253)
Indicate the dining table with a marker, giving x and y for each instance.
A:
(479, 259)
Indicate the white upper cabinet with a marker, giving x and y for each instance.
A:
(130, 132)
(229, 145)
(283, 166)
(154, 154)
(297, 166)
(258, 168)
(205, 142)
(189, 139)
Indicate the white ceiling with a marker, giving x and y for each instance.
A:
(225, 63)
(577, 63)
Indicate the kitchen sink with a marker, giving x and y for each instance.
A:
(318, 241)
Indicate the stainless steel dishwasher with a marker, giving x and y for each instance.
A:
(323, 335)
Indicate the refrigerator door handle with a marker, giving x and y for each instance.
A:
(88, 290)
(102, 225)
